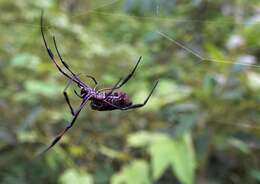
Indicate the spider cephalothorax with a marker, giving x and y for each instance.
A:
(105, 99)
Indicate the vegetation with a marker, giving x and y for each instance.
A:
(202, 125)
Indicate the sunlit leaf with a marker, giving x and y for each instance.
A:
(161, 156)
(165, 151)
(143, 138)
(113, 153)
(139, 139)
(214, 53)
(253, 80)
(76, 177)
(27, 136)
(137, 172)
(183, 159)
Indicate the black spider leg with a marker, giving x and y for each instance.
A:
(51, 55)
(134, 106)
(66, 65)
(113, 89)
(93, 78)
(77, 93)
(90, 77)
(60, 135)
(67, 97)
(126, 78)
(130, 74)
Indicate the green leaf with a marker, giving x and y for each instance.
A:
(165, 152)
(161, 155)
(215, 54)
(76, 177)
(25, 60)
(187, 121)
(239, 144)
(137, 172)
(166, 92)
(41, 87)
(143, 138)
(177, 153)
(255, 174)
(139, 139)
(183, 159)
(27, 136)
(253, 80)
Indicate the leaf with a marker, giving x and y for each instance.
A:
(253, 80)
(161, 155)
(166, 92)
(183, 159)
(239, 144)
(178, 154)
(41, 87)
(187, 121)
(255, 174)
(137, 172)
(165, 151)
(143, 138)
(139, 139)
(27, 136)
(25, 60)
(214, 53)
(111, 153)
(76, 177)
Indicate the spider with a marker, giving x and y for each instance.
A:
(105, 99)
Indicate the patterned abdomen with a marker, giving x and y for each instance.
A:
(116, 100)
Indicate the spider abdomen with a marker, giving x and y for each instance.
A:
(114, 101)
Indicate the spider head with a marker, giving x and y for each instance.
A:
(83, 92)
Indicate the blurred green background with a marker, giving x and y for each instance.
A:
(202, 125)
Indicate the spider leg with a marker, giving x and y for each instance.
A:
(67, 98)
(77, 93)
(51, 55)
(113, 89)
(90, 77)
(64, 63)
(60, 135)
(61, 59)
(93, 78)
(125, 79)
(146, 100)
(134, 106)
(130, 74)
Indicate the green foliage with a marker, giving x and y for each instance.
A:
(200, 126)
(76, 177)
(165, 152)
(135, 173)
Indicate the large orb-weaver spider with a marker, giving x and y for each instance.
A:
(105, 99)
